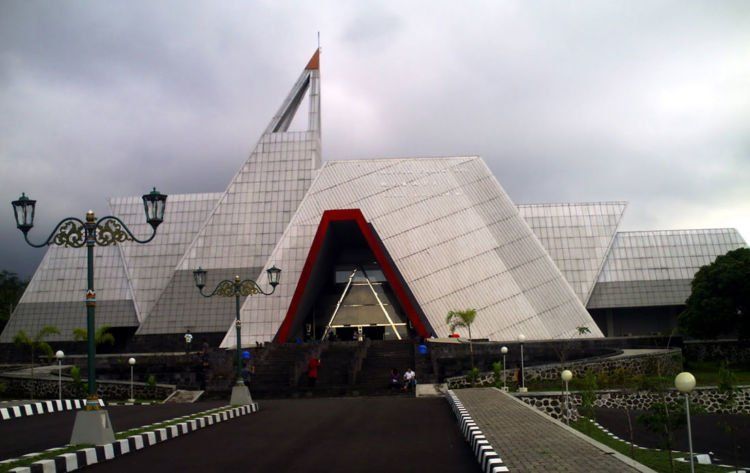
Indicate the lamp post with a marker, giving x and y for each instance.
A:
(566, 376)
(59, 355)
(504, 351)
(131, 362)
(92, 426)
(237, 288)
(685, 382)
(522, 389)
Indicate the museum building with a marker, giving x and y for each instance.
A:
(377, 248)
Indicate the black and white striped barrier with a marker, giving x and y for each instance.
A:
(489, 460)
(89, 456)
(42, 407)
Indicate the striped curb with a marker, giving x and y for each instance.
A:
(613, 436)
(43, 407)
(488, 459)
(136, 403)
(101, 453)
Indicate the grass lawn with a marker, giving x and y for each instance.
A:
(654, 459)
(707, 372)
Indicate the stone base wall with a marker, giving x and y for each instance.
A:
(709, 399)
(670, 364)
(731, 351)
(46, 388)
(555, 406)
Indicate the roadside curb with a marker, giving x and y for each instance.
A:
(488, 459)
(101, 453)
(137, 403)
(42, 407)
(615, 437)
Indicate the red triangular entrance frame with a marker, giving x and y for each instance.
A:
(352, 215)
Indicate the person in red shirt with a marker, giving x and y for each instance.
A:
(312, 371)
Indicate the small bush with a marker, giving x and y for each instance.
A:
(618, 377)
(79, 387)
(497, 369)
(603, 380)
(473, 376)
(588, 394)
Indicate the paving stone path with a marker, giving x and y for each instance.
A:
(529, 442)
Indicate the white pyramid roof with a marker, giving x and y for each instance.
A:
(453, 234)
(655, 268)
(577, 236)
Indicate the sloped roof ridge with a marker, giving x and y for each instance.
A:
(403, 158)
(121, 199)
(679, 231)
(570, 204)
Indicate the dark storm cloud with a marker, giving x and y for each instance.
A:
(640, 101)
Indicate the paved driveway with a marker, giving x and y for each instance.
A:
(317, 435)
(39, 432)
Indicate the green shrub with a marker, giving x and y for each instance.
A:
(618, 377)
(588, 395)
(603, 380)
(497, 369)
(79, 387)
(473, 376)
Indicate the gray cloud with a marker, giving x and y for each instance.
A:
(640, 101)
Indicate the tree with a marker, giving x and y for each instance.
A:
(102, 335)
(583, 330)
(11, 290)
(36, 343)
(720, 298)
(462, 318)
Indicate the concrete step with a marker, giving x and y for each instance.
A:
(182, 396)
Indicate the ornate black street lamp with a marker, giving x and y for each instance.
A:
(74, 233)
(237, 288)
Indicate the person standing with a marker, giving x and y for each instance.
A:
(188, 341)
(312, 371)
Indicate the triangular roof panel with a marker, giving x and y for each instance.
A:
(453, 233)
(577, 236)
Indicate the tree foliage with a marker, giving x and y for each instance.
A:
(102, 335)
(35, 344)
(720, 298)
(11, 290)
(462, 318)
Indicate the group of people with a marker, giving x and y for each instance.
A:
(406, 382)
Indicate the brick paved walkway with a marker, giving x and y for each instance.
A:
(528, 442)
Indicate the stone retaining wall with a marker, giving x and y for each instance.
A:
(646, 364)
(709, 399)
(731, 351)
(47, 388)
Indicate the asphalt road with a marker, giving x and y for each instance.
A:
(317, 435)
(709, 434)
(40, 432)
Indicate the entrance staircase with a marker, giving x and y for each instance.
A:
(346, 369)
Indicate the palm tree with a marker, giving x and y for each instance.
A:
(462, 318)
(102, 335)
(36, 343)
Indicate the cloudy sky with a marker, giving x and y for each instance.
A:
(647, 102)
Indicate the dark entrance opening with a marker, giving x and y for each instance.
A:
(349, 288)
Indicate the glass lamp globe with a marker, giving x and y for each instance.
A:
(566, 375)
(131, 361)
(504, 350)
(684, 382)
(59, 355)
(521, 337)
